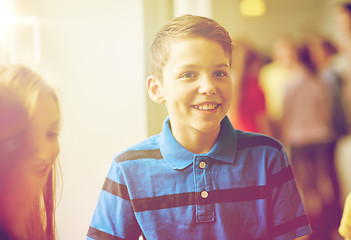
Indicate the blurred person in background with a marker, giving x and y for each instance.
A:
(343, 61)
(29, 129)
(306, 130)
(273, 79)
(322, 52)
(247, 111)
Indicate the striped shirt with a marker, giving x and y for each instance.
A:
(242, 189)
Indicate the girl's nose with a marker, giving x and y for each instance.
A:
(40, 151)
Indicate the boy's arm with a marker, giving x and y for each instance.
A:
(114, 217)
(287, 218)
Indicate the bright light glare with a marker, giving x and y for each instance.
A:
(6, 19)
(252, 8)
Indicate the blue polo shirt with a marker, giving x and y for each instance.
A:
(242, 189)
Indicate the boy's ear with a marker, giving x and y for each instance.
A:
(154, 89)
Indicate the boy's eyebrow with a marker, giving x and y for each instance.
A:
(222, 65)
(195, 66)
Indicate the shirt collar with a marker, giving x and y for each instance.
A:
(179, 158)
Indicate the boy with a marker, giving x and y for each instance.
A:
(199, 178)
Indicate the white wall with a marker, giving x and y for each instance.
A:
(194, 7)
(156, 14)
(93, 51)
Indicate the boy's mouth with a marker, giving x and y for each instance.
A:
(206, 107)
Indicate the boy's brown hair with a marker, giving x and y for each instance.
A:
(184, 27)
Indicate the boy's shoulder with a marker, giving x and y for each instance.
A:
(148, 148)
(253, 140)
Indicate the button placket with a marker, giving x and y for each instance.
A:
(202, 164)
(204, 194)
(203, 186)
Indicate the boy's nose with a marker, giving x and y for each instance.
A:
(207, 86)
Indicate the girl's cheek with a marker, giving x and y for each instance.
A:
(18, 197)
(37, 180)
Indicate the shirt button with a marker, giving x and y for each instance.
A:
(204, 194)
(202, 165)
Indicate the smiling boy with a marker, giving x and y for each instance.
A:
(199, 178)
(196, 89)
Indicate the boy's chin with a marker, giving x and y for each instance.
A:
(208, 127)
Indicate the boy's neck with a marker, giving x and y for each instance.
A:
(195, 141)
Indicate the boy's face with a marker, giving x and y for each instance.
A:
(196, 87)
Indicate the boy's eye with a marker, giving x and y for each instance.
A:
(220, 74)
(188, 75)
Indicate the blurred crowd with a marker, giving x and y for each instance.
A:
(301, 95)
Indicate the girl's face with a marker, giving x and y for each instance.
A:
(343, 19)
(43, 145)
(319, 55)
(30, 175)
(285, 53)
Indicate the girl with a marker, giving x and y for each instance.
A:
(29, 129)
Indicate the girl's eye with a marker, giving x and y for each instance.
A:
(52, 135)
(41, 170)
(188, 75)
(220, 74)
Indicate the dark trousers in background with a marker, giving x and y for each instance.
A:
(314, 169)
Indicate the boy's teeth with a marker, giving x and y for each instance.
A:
(206, 107)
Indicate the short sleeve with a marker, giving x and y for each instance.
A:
(114, 217)
(345, 224)
(286, 215)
